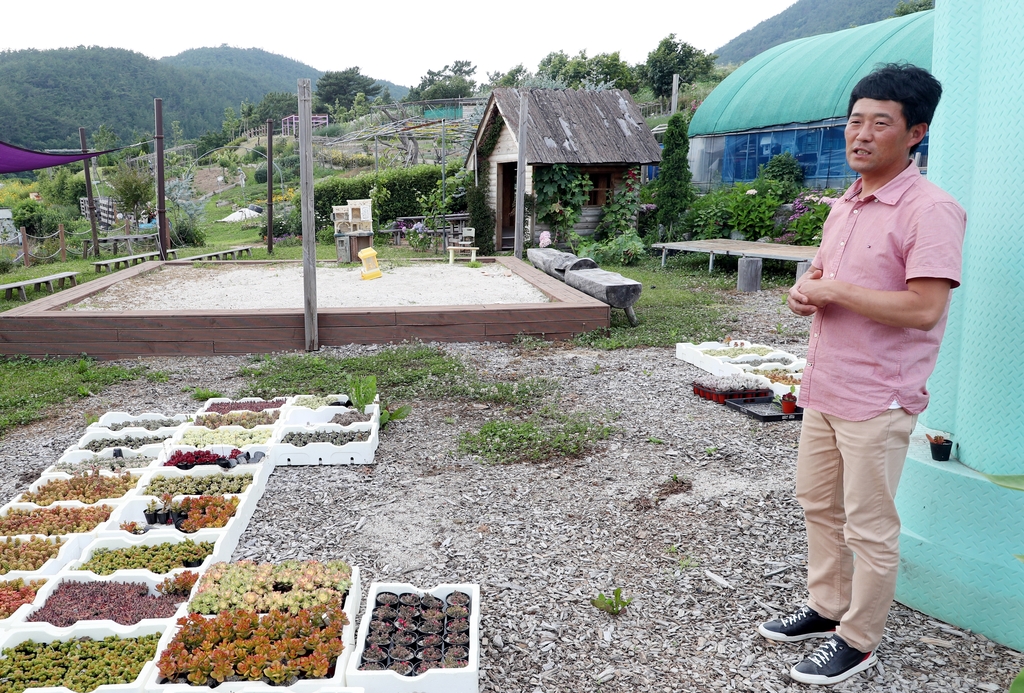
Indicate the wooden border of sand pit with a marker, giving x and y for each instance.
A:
(41, 328)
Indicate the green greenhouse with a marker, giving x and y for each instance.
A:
(793, 98)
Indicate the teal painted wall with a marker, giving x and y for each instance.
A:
(961, 532)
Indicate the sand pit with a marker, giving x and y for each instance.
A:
(280, 286)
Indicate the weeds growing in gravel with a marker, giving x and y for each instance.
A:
(27, 386)
(157, 376)
(614, 604)
(202, 394)
(539, 438)
(403, 372)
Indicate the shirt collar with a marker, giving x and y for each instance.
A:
(891, 192)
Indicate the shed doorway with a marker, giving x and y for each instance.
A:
(507, 205)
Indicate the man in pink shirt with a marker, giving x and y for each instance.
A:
(879, 291)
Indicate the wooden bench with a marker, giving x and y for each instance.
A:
(231, 254)
(38, 284)
(452, 249)
(128, 260)
(750, 253)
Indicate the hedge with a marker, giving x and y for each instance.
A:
(403, 184)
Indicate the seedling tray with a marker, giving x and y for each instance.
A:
(764, 409)
(721, 396)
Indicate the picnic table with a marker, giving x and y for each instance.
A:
(453, 224)
(38, 284)
(751, 253)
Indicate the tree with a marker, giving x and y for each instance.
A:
(231, 123)
(247, 111)
(675, 57)
(905, 7)
(602, 71)
(275, 105)
(673, 192)
(450, 82)
(340, 88)
(133, 188)
(512, 78)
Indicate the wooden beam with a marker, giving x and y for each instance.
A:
(524, 105)
(308, 220)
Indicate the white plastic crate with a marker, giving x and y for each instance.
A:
(151, 539)
(356, 452)
(464, 680)
(220, 400)
(45, 633)
(92, 434)
(120, 417)
(64, 577)
(72, 547)
(103, 526)
(76, 456)
(46, 478)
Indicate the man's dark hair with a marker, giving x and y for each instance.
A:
(909, 85)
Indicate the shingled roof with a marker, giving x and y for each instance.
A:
(577, 127)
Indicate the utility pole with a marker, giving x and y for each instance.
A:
(91, 200)
(524, 106)
(161, 205)
(270, 187)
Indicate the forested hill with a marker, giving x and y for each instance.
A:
(45, 96)
(276, 72)
(804, 18)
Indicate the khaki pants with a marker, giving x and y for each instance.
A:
(846, 478)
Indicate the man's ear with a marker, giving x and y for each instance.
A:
(917, 133)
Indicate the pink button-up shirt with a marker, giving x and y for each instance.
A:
(907, 229)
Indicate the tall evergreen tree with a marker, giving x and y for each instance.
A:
(674, 192)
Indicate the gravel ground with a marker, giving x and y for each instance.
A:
(703, 566)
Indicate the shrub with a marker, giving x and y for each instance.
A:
(783, 167)
(752, 211)
(625, 249)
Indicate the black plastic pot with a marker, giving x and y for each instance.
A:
(150, 517)
(162, 516)
(940, 451)
(185, 466)
(194, 563)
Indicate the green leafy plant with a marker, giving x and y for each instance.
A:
(161, 558)
(542, 437)
(16, 554)
(87, 487)
(287, 586)
(396, 414)
(362, 390)
(81, 664)
(625, 249)
(561, 191)
(157, 376)
(613, 605)
(673, 192)
(201, 394)
(751, 213)
(475, 264)
(783, 167)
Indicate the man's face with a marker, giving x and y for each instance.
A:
(878, 140)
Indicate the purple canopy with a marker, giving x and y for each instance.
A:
(15, 159)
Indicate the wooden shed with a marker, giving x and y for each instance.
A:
(601, 132)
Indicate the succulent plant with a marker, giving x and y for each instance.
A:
(316, 401)
(212, 484)
(347, 418)
(131, 442)
(53, 521)
(126, 603)
(203, 437)
(251, 405)
(82, 664)
(197, 457)
(288, 586)
(105, 464)
(280, 646)
(87, 487)
(245, 419)
(15, 593)
(17, 554)
(178, 585)
(148, 424)
(207, 511)
(339, 438)
(161, 558)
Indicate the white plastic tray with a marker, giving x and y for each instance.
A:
(151, 539)
(51, 586)
(76, 456)
(45, 633)
(434, 681)
(71, 550)
(356, 452)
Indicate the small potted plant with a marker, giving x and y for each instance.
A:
(788, 401)
(150, 512)
(941, 447)
(134, 528)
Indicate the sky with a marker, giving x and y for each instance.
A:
(397, 41)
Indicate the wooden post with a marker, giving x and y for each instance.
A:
(24, 247)
(63, 248)
(161, 206)
(524, 108)
(749, 276)
(675, 93)
(270, 187)
(91, 201)
(308, 220)
(802, 267)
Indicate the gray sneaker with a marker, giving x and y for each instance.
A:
(803, 625)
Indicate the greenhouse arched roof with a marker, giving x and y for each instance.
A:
(810, 79)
